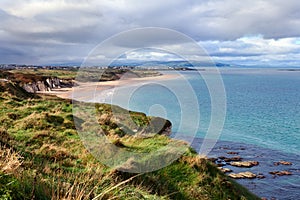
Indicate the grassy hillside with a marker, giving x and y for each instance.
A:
(42, 157)
(90, 74)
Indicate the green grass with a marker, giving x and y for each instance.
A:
(84, 74)
(62, 74)
(42, 157)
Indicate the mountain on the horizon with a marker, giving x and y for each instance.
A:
(178, 63)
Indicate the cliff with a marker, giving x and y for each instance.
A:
(47, 84)
(33, 83)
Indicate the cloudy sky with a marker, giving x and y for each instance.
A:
(249, 32)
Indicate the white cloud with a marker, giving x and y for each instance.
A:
(255, 50)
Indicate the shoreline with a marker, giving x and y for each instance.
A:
(84, 87)
(266, 157)
(265, 184)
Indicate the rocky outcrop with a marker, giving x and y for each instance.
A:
(222, 160)
(224, 170)
(282, 163)
(280, 173)
(235, 158)
(47, 84)
(126, 122)
(33, 83)
(248, 175)
(159, 126)
(244, 164)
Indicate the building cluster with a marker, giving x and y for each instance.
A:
(73, 67)
(18, 66)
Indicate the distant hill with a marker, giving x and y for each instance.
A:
(169, 64)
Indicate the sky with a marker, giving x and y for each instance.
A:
(249, 32)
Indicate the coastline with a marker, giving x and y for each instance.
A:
(40, 132)
(67, 93)
(271, 186)
(266, 184)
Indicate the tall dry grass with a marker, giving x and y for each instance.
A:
(10, 161)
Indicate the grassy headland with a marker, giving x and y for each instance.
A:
(90, 74)
(42, 157)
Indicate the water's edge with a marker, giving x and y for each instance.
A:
(279, 187)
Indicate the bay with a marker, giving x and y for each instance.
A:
(263, 115)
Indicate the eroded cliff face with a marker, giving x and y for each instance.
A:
(47, 84)
(34, 83)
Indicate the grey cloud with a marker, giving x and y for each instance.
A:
(225, 20)
(208, 20)
(83, 24)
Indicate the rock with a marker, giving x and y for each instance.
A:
(248, 175)
(30, 87)
(224, 170)
(47, 84)
(260, 176)
(160, 126)
(280, 173)
(226, 159)
(42, 86)
(235, 158)
(219, 162)
(235, 176)
(282, 163)
(244, 163)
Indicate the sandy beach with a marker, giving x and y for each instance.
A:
(85, 88)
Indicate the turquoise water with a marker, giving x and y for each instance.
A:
(263, 116)
(263, 107)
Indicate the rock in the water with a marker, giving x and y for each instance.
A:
(244, 163)
(260, 176)
(280, 173)
(282, 163)
(227, 160)
(220, 162)
(248, 175)
(224, 170)
(235, 158)
(235, 176)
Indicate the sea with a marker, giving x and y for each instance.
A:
(258, 111)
